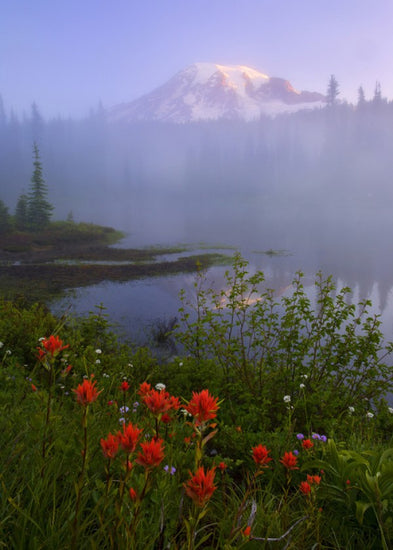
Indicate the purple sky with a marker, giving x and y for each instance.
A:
(67, 55)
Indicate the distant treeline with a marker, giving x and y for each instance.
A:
(340, 150)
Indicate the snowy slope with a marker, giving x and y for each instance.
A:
(207, 91)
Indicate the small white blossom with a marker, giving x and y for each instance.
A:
(390, 409)
(287, 398)
(98, 361)
(8, 352)
(105, 375)
(41, 339)
(85, 376)
(131, 365)
(160, 386)
(370, 415)
(98, 351)
(302, 386)
(181, 364)
(305, 376)
(351, 410)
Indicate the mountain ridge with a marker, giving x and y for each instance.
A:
(209, 91)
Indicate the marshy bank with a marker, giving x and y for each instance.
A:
(41, 266)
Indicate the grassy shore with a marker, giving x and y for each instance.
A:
(42, 265)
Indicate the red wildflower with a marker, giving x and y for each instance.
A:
(52, 345)
(144, 389)
(203, 406)
(222, 466)
(133, 494)
(289, 460)
(314, 479)
(307, 444)
(124, 386)
(166, 418)
(152, 453)
(247, 531)
(201, 486)
(305, 488)
(129, 437)
(260, 456)
(175, 403)
(33, 387)
(86, 392)
(157, 401)
(110, 446)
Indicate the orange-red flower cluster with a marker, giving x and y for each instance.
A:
(158, 402)
(201, 486)
(307, 444)
(289, 460)
(52, 346)
(260, 454)
(314, 479)
(86, 392)
(124, 386)
(306, 486)
(152, 454)
(129, 438)
(110, 446)
(203, 406)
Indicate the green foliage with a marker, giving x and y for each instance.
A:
(58, 490)
(325, 356)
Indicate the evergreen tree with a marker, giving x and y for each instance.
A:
(377, 99)
(332, 91)
(39, 210)
(21, 213)
(5, 220)
(361, 98)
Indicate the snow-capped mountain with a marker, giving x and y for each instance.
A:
(206, 91)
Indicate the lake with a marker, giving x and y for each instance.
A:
(354, 246)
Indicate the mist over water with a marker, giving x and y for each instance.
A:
(316, 185)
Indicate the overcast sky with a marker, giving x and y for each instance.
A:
(67, 55)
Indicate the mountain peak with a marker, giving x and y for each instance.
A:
(209, 91)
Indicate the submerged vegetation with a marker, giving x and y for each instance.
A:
(270, 430)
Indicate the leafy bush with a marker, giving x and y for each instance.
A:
(324, 356)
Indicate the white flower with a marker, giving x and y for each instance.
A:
(98, 361)
(305, 376)
(390, 409)
(8, 352)
(370, 415)
(1, 345)
(181, 364)
(302, 386)
(41, 339)
(98, 351)
(351, 410)
(287, 398)
(131, 365)
(160, 386)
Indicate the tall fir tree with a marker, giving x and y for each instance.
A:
(39, 210)
(332, 91)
